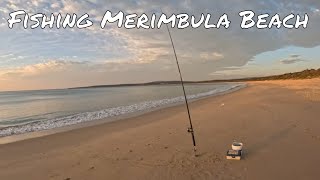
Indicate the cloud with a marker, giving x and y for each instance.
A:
(36, 69)
(211, 56)
(295, 56)
(55, 5)
(6, 55)
(292, 59)
(316, 11)
(65, 74)
(137, 55)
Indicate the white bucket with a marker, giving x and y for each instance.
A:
(237, 146)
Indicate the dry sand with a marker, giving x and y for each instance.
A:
(276, 120)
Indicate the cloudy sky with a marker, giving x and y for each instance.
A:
(60, 58)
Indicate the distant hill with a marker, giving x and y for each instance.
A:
(137, 84)
(306, 74)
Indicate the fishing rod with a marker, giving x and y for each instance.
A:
(190, 129)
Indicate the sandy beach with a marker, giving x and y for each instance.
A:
(278, 122)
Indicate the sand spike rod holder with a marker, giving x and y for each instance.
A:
(190, 129)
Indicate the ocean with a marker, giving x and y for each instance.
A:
(29, 111)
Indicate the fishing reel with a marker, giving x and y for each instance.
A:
(190, 130)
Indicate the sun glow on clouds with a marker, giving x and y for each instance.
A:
(36, 69)
(66, 58)
(211, 56)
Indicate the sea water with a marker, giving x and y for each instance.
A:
(29, 111)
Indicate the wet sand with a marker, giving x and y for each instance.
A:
(278, 122)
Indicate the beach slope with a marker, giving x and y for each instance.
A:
(278, 122)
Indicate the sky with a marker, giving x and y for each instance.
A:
(62, 58)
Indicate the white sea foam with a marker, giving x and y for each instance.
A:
(106, 113)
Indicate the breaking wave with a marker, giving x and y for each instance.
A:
(106, 113)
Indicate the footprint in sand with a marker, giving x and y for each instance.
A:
(54, 176)
(316, 137)
(94, 156)
(294, 125)
(306, 129)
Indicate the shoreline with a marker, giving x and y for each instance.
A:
(36, 134)
(277, 123)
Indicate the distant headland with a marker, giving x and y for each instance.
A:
(305, 74)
